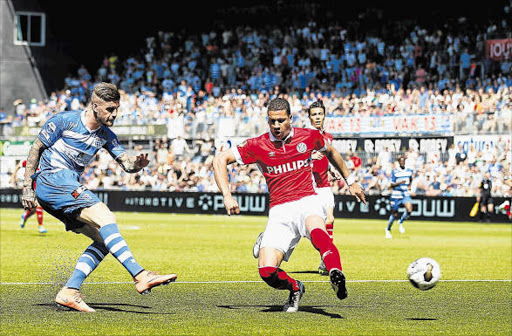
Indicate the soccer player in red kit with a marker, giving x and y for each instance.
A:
(38, 210)
(284, 157)
(316, 114)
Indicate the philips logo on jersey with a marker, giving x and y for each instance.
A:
(288, 167)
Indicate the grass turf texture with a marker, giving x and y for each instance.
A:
(219, 291)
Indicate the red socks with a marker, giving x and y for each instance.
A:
(39, 212)
(277, 278)
(323, 243)
(329, 228)
(27, 214)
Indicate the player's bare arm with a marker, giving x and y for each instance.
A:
(131, 163)
(337, 161)
(220, 169)
(28, 199)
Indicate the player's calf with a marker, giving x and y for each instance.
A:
(277, 278)
(323, 243)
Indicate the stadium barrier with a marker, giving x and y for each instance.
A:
(424, 208)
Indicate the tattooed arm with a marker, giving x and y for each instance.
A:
(133, 164)
(29, 197)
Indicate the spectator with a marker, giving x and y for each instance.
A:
(461, 154)
(356, 160)
(179, 147)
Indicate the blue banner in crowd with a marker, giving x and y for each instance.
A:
(414, 124)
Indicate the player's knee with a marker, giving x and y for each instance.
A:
(268, 274)
(98, 215)
(108, 218)
(267, 271)
(329, 219)
(321, 241)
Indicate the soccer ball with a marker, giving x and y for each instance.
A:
(424, 273)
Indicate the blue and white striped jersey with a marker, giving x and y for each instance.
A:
(405, 177)
(71, 145)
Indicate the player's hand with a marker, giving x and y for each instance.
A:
(141, 160)
(357, 191)
(28, 199)
(231, 205)
(336, 174)
(317, 155)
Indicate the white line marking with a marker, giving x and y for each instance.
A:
(236, 282)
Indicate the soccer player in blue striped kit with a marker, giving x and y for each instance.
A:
(67, 142)
(401, 178)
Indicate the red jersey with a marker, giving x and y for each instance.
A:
(320, 167)
(285, 164)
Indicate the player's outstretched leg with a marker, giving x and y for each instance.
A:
(144, 280)
(331, 257)
(279, 279)
(69, 296)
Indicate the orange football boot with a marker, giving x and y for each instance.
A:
(146, 280)
(71, 298)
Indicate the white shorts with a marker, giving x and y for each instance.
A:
(326, 196)
(286, 223)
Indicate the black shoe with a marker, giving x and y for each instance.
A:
(338, 283)
(292, 305)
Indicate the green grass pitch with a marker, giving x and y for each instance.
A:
(219, 291)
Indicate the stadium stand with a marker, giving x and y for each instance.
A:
(214, 85)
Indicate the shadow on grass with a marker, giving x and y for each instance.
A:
(116, 307)
(303, 272)
(421, 319)
(279, 309)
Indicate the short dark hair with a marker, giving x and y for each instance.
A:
(316, 104)
(278, 104)
(107, 92)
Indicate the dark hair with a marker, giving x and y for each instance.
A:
(316, 104)
(278, 104)
(107, 92)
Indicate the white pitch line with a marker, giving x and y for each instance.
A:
(247, 281)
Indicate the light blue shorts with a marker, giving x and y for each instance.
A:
(63, 196)
(396, 202)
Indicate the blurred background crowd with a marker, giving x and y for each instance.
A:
(215, 84)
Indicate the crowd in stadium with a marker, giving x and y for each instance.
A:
(177, 167)
(191, 82)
